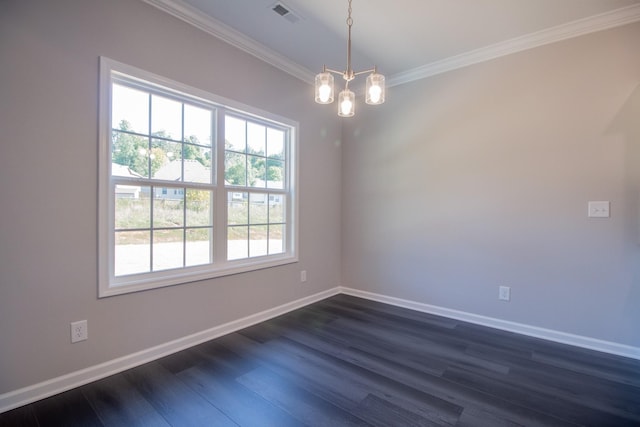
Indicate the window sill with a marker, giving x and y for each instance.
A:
(161, 279)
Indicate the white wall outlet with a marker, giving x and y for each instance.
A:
(303, 276)
(79, 331)
(504, 293)
(598, 210)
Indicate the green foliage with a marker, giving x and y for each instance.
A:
(274, 173)
(240, 168)
(245, 169)
(130, 150)
(235, 173)
(133, 150)
(235, 167)
(158, 159)
(198, 200)
(195, 152)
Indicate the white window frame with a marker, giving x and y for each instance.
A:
(108, 283)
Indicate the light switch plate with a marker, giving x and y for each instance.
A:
(598, 210)
(504, 293)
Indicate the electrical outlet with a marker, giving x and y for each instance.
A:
(303, 276)
(79, 331)
(504, 293)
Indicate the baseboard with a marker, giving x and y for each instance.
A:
(63, 383)
(533, 331)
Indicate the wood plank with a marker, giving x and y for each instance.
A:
(305, 406)
(19, 417)
(240, 404)
(382, 413)
(117, 403)
(534, 397)
(69, 409)
(171, 398)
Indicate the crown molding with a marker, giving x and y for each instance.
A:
(592, 24)
(218, 29)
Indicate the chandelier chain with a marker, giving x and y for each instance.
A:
(348, 74)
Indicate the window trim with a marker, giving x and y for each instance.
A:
(106, 201)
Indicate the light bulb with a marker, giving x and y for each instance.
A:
(375, 89)
(346, 102)
(324, 88)
(324, 92)
(345, 106)
(374, 93)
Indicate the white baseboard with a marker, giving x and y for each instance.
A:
(75, 379)
(520, 328)
(63, 383)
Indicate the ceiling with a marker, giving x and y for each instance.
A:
(406, 39)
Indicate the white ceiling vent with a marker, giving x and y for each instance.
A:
(285, 12)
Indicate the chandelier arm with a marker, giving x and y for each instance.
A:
(371, 70)
(330, 70)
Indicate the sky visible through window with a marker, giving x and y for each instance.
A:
(132, 105)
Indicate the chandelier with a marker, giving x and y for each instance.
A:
(374, 90)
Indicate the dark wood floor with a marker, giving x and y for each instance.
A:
(349, 361)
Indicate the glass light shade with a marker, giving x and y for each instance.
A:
(375, 89)
(346, 103)
(324, 88)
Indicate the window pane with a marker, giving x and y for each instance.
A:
(257, 240)
(165, 160)
(258, 208)
(168, 205)
(276, 208)
(198, 246)
(275, 174)
(275, 143)
(276, 239)
(237, 242)
(132, 252)
(133, 209)
(197, 125)
(235, 170)
(197, 164)
(167, 249)
(237, 208)
(198, 207)
(131, 153)
(166, 118)
(235, 135)
(256, 138)
(257, 172)
(129, 109)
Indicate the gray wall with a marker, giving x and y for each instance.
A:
(480, 177)
(48, 179)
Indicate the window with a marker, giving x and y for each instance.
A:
(192, 186)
